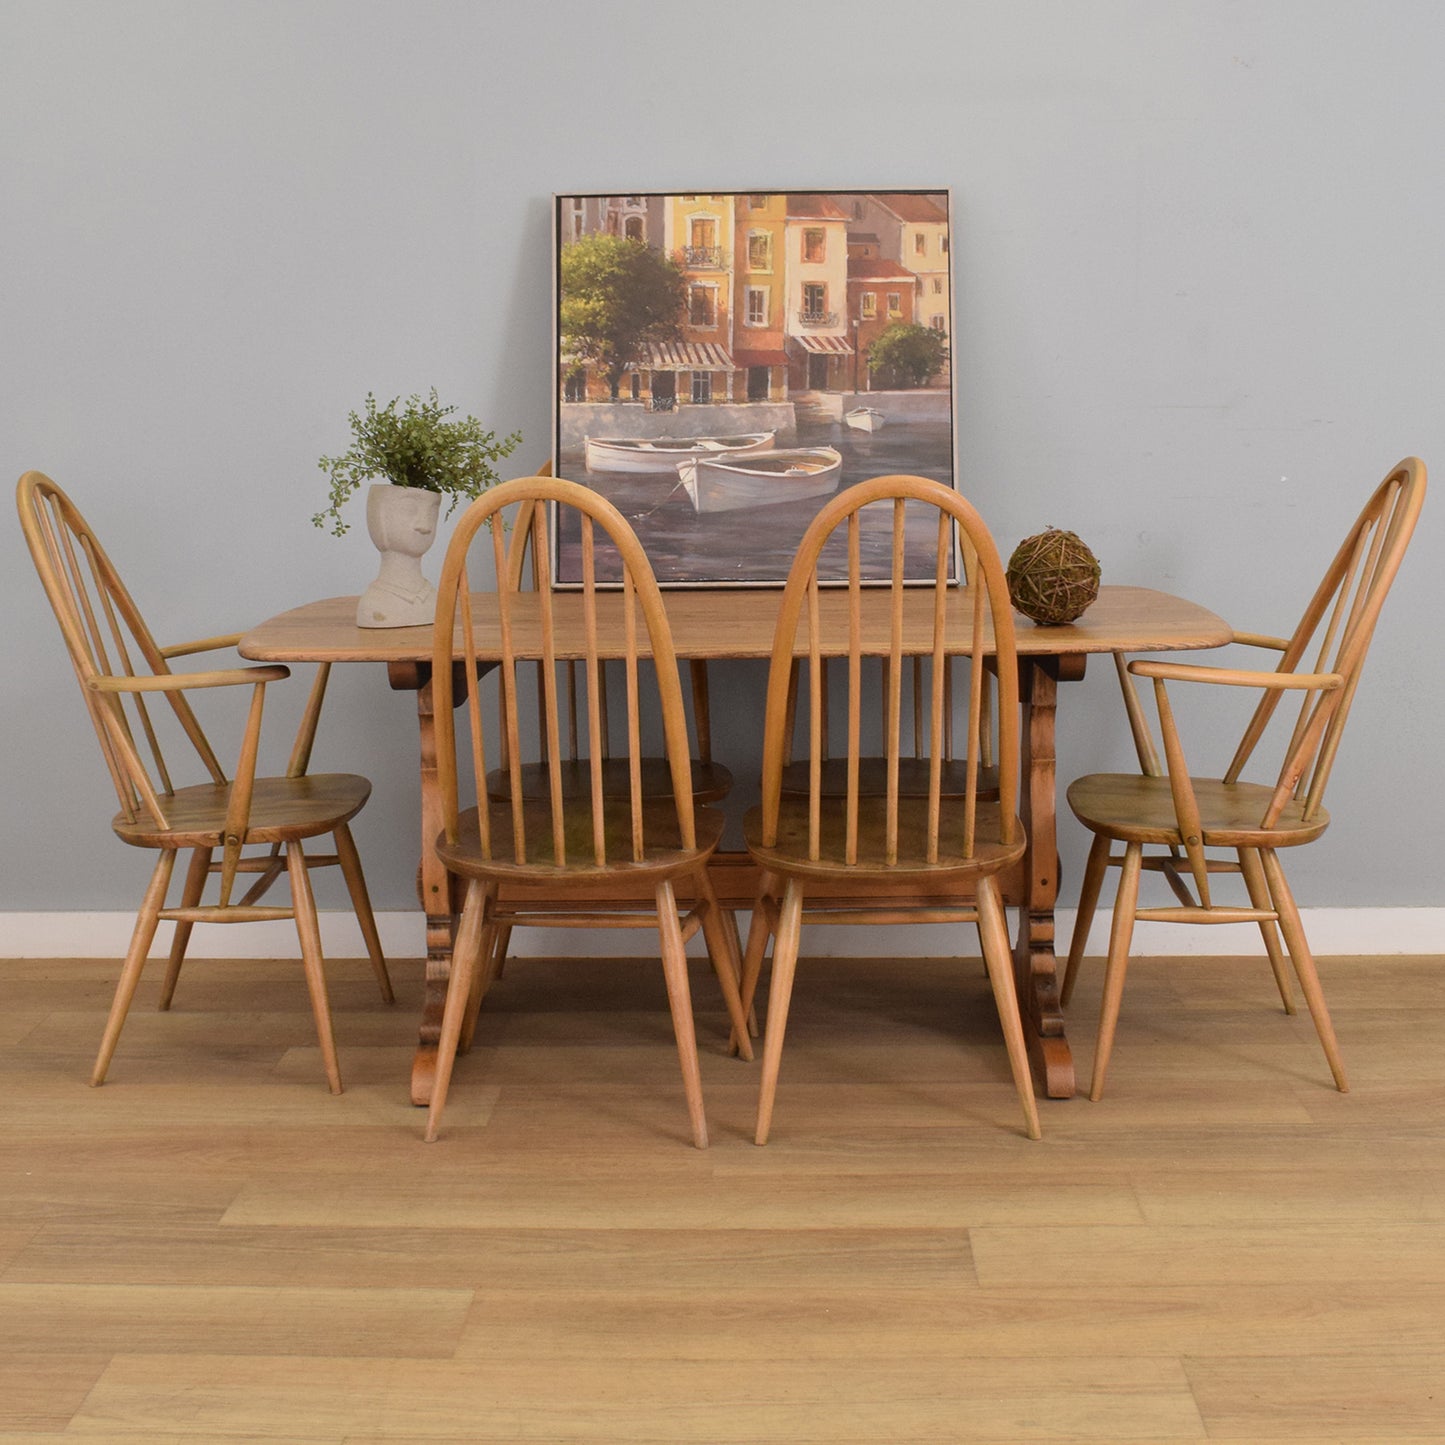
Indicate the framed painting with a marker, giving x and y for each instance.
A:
(726, 363)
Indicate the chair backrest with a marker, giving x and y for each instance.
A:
(106, 637)
(929, 620)
(1334, 636)
(519, 553)
(516, 627)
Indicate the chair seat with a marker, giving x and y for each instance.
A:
(283, 810)
(790, 853)
(663, 856)
(1136, 809)
(710, 781)
(873, 778)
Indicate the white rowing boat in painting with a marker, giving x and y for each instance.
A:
(864, 418)
(662, 454)
(728, 484)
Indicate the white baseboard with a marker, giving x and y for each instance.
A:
(1331, 931)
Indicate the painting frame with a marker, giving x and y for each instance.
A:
(725, 362)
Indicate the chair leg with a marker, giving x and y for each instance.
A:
(308, 930)
(499, 958)
(459, 990)
(1120, 935)
(679, 1000)
(491, 951)
(735, 942)
(350, 861)
(998, 956)
(722, 948)
(780, 993)
(1258, 886)
(1304, 964)
(1093, 881)
(758, 935)
(135, 962)
(196, 875)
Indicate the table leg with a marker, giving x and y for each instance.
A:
(1034, 960)
(435, 885)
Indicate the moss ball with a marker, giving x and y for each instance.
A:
(1053, 577)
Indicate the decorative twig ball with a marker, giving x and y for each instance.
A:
(1052, 577)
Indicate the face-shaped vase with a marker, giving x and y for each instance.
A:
(402, 519)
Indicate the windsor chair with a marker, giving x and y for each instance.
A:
(895, 850)
(121, 671)
(1178, 824)
(561, 839)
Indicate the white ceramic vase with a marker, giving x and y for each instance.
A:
(403, 524)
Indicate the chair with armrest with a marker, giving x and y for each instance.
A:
(119, 667)
(899, 857)
(563, 839)
(1174, 822)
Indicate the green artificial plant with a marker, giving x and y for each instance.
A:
(414, 447)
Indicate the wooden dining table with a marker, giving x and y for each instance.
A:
(738, 624)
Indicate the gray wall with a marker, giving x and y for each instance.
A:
(1199, 253)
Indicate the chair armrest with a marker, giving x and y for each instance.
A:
(184, 681)
(1260, 639)
(205, 644)
(1237, 677)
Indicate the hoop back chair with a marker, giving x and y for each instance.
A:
(122, 674)
(558, 838)
(1173, 822)
(893, 852)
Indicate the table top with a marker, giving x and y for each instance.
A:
(738, 624)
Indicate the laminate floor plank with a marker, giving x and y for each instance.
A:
(43, 1392)
(960, 1321)
(1352, 1396)
(246, 1319)
(601, 1398)
(1160, 1255)
(764, 1262)
(910, 1201)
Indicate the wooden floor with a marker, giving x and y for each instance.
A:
(212, 1248)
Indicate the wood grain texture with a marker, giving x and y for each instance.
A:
(1223, 1249)
(720, 625)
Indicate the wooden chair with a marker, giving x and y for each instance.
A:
(119, 666)
(1182, 819)
(558, 840)
(897, 851)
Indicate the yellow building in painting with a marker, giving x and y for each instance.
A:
(815, 273)
(698, 233)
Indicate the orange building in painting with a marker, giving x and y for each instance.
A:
(760, 320)
(880, 293)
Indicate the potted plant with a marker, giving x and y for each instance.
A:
(412, 453)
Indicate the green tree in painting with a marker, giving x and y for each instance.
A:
(618, 297)
(907, 355)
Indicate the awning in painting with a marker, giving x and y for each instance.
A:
(825, 345)
(687, 356)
